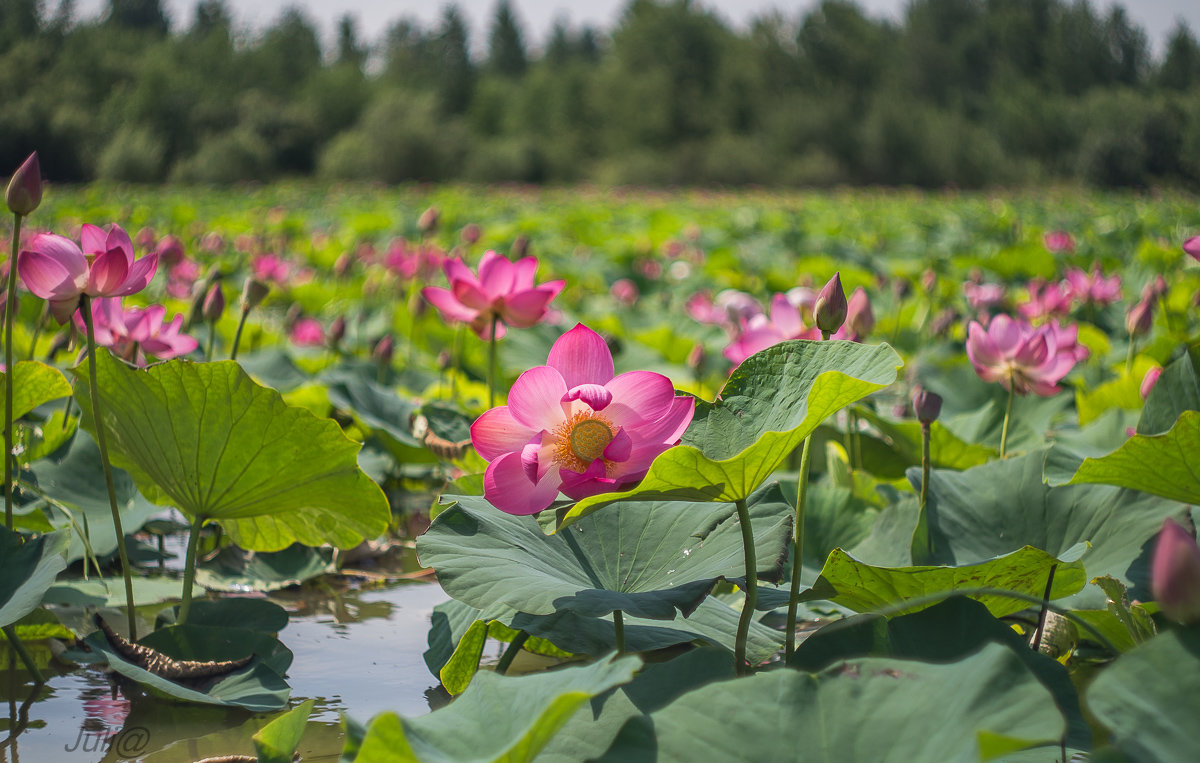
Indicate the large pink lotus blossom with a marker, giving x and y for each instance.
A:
(1092, 288)
(54, 268)
(571, 426)
(761, 332)
(1046, 300)
(504, 294)
(1023, 358)
(137, 331)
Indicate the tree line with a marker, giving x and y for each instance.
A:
(964, 93)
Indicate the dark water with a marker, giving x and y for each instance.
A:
(356, 652)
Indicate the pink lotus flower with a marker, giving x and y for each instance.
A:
(731, 308)
(1023, 358)
(307, 332)
(57, 270)
(571, 426)
(1092, 288)
(1192, 247)
(504, 291)
(1046, 300)
(761, 332)
(181, 277)
(1059, 241)
(983, 296)
(624, 291)
(860, 318)
(126, 331)
(1175, 573)
(409, 261)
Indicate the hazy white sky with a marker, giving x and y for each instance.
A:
(1157, 17)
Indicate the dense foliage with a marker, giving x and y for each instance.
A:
(962, 92)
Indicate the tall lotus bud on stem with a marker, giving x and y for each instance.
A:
(1175, 573)
(1149, 380)
(24, 192)
(520, 247)
(214, 303)
(253, 293)
(470, 234)
(927, 405)
(337, 332)
(859, 315)
(829, 311)
(384, 349)
(427, 223)
(1138, 322)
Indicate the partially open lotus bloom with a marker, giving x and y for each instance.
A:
(1022, 358)
(761, 332)
(55, 269)
(1093, 288)
(126, 331)
(570, 426)
(503, 292)
(983, 296)
(1046, 300)
(1175, 573)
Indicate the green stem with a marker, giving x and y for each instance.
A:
(85, 306)
(15, 640)
(1129, 355)
(922, 543)
(510, 654)
(491, 373)
(1041, 626)
(8, 370)
(619, 630)
(455, 361)
(37, 330)
(743, 629)
(798, 545)
(237, 337)
(212, 341)
(925, 437)
(1007, 416)
(189, 569)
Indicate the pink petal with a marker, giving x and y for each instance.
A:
(481, 324)
(620, 448)
(596, 396)
(786, 316)
(638, 397)
(51, 277)
(534, 400)
(591, 482)
(1034, 352)
(471, 295)
(507, 488)
(1005, 334)
(62, 309)
(496, 275)
(524, 273)
(581, 356)
(450, 308)
(525, 308)
(108, 274)
(119, 239)
(496, 432)
(455, 270)
(139, 276)
(94, 239)
(981, 350)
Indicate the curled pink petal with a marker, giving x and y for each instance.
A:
(596, 396)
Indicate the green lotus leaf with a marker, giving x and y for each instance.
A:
(497, 718)
(1122, 392)
(27, 570)
(1159, 464)
(981, 707)
(945, 449)
(277, 741)
(1177, 390)
(863, 587)
(377, 407)
(647, 559)
(241, 612)
(36, 383)
(1149, 699)
(772, 402)
(236, 571)
(206, 439)
(1001, 506)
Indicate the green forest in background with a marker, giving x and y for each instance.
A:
(965, 93)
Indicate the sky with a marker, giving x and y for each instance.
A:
(1157, 17)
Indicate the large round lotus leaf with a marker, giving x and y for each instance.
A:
(648, 559)
(377, 407)
(773, 400)
(497, 718)
(1002, 506)
(864, 588)
(1159, 464)
(206, 439)
(1177, 390)
(27, 570)
(36, 383)
(869, 709)
(1150, 698)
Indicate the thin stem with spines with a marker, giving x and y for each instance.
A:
(798, 546)
(85, 306)
(1007, 417)
(237, 337)
(8, 370)
(189, 569)
(743, 627)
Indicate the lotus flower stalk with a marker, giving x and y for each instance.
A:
(798, 545)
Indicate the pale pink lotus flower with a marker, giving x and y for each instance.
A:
(1023, 358)
(55, 269)
(1175, 573)
(760, 332)
(504, 294)
(982, 297)
(731, 309)
(1192, 247)
(860, 318)
(1046, 300)
(170, 250)
(181, 277)
(1059, 241)
(271, 268)
(570, 426)
(1092, 288)
(126, 331)
(413, 261)
(1149, 380)
(307, 332)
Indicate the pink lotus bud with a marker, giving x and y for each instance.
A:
(145, 237)
(520, 247)
(1140, 318)
(427, 223)
(337, 331)
(24, 192)
(1175, 573)
(253, 293)
(470, 234)
(624, 291)
(829, 311)
(927, 405)
(1149, 380)
(1059, 241)
(1192, 247)
(929, 280)
(214, 303)
(170, 250)
(859, 315)
(384, 349)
